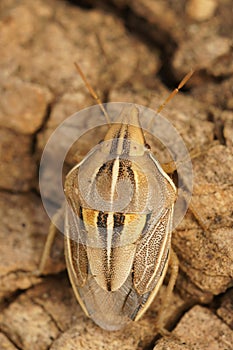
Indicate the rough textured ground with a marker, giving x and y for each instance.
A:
(133, 51)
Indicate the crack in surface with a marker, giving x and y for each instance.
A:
(151, 34)
(47, 313)
(10, 340)
(165, 74)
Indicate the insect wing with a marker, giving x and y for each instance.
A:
(110, 310)
(116, 271)
(152, 253)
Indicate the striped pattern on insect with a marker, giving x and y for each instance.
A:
(118, 224)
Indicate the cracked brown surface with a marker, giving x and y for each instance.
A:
(132, 51)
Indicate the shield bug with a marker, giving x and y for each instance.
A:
(118, 223)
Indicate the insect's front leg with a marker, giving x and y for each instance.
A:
(204, 225)
(50, 240)
(174, 264)
(170, 168)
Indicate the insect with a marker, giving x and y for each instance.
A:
(118, 223)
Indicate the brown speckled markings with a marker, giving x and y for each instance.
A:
(39, 88)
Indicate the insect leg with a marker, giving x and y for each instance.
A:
(171, 166)
(49, 241)
(198, 217)
(174, 263)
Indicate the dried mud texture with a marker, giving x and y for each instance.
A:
(199, 329)
(131, 51)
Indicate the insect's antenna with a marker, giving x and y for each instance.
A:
(92, 92)
(176, 90)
